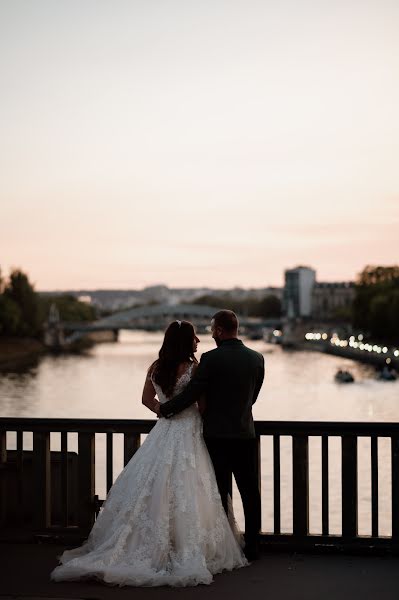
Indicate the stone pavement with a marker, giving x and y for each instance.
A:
(25, 568)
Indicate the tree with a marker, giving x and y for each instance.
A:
(23, 311)
(394, 315)
(70, 308)
(378, 275)
(379, 317)
(20, 291)
(269, 307)
(10, 316)
(376, 303)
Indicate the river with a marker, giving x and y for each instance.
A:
(107, 383)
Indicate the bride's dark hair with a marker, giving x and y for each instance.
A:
(177, 348)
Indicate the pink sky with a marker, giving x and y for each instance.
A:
(197, 143)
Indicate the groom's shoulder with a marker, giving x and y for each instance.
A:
(208, 355)
(256, 355)
(211, 356)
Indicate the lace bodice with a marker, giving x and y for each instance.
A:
(181, 383)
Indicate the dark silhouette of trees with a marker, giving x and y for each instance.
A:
(23, 311)
(378, 275)
(268, 307)
(21, 306)
(376, 303)
(10, 316)
(69, 307)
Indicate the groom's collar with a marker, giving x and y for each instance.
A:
(230, 341)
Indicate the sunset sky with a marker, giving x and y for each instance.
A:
(197, 142)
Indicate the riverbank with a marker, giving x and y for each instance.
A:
(379, 360)
(19, 351)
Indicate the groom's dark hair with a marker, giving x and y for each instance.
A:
(227, 320)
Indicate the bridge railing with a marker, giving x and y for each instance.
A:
(52, 493)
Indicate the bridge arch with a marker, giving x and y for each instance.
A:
(159, 313)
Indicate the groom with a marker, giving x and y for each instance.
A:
(230, 376)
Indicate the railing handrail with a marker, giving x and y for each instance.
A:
(316, 428)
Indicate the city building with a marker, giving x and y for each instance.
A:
(329, 300)
(298, 288)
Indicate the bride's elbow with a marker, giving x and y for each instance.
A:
(148, 401)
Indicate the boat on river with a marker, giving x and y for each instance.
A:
(344, 376)
(387, 374)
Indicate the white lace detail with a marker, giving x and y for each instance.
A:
(162, 522)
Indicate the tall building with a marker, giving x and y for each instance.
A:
(298, 289)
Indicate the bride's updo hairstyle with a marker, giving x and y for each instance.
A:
(177, 348)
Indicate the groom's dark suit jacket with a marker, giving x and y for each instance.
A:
(230, 376)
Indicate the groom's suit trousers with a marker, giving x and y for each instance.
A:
(240, 458)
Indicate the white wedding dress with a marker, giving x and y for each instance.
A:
(162, 522)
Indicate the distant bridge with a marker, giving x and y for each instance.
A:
(150, 317)
(158, 317)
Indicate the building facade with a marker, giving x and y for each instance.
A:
(298, 289)
(331, 299)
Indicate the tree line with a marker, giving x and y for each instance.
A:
(376, 304)
(375, 309)
(23, 311)
(268, 307)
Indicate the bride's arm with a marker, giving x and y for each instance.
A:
(148, 398)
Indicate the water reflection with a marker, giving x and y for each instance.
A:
(107, 383)
(17, 389)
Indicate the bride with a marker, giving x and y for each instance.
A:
(163, 522)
